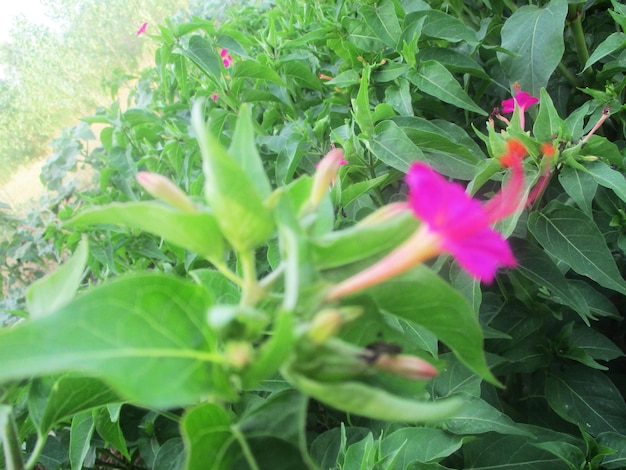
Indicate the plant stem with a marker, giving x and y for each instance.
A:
(569, 76)
(251, 289)
(576, 26)
(245, 448)
(10, 441)
(34, 456)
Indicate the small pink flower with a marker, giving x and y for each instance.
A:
(524, 101)
(214, 96)
(227, 60)
(452, 222)
(142, 29)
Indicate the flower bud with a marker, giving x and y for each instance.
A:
(327, 323)
(410, 367)
(326, 174)
(238, 354)
(164, 189)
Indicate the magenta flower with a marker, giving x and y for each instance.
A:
(452, 222)
(227, 60)
(524, 101)
(214, 96)
(142, 29)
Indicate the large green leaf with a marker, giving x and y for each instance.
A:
(534, 37)
(605, 176)
(423, 297)
(478, 416)
(424, 445)
(392, 146)
(434, 79)
(207, 435)
(197, 232)
(587, 398)
(610, 45)
(580, 186)
(439, 25)
(383, 21)
(145, 335)
(569, 235)
(59, 287)
(202, 53)
(237, 204)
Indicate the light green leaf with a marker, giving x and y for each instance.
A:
(202, 53)
(243, 150)
(392, 146)
(171, 455)
(80, 438)
(434, 79)
(478, 417)
(549, 125)
(424, 445)
(239, 209)
(580, 186)
(207, 435)
(587, 398)
(383, 21)
(569, 235)
(197, 232)
(257, 71)
(613, 43)
(440, 25)
(605, 176)
(145, 335)
(440, 309)
(535, 38)
(59, 287)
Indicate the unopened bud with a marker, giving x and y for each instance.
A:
(238, 354)
(410, 367)
(326, 173)
(325, 325)
(589, 158)
(386, 213)
(164, 189)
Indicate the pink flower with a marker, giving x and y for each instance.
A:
(214, 96)
(524, 101)
(142, 29)
(227, 60)
(452, 222)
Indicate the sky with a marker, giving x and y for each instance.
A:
(32, 9)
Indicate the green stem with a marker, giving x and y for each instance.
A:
(10, 441)
(231, 276)
(34, 456)
(245, 448)
(576, 26)
(252, 291)
(569, 76)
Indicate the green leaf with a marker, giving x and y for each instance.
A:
(361, 241)
(571, 455)
(445, 146)
(110, 431)
(399, 97)
(605, 176)
(372, 402)
(535, 38)
(569, 235)
(587, 398)
(383, 21)
(580, 186)
(455, 379)
(301, 75)
(392, 146)
(80, 438)
(537, 266)
(238, 206)
(145, 335)
(439, 25)
(424, 445)
(171, 455)
(59, 287)
(549, 126)
(256, 71)
(353, 191)
(478, 416)
(510, 453)
(617, 442)
(244, 152)
(61, 398)
(361, 105)
(440, 309)
(202, 53)
(434, 79)
(197, 232)
(207, 436)
(613, 43)
(595, 344)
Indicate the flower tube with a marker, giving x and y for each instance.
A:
(452, 222)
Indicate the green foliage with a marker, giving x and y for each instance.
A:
(201, 335)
